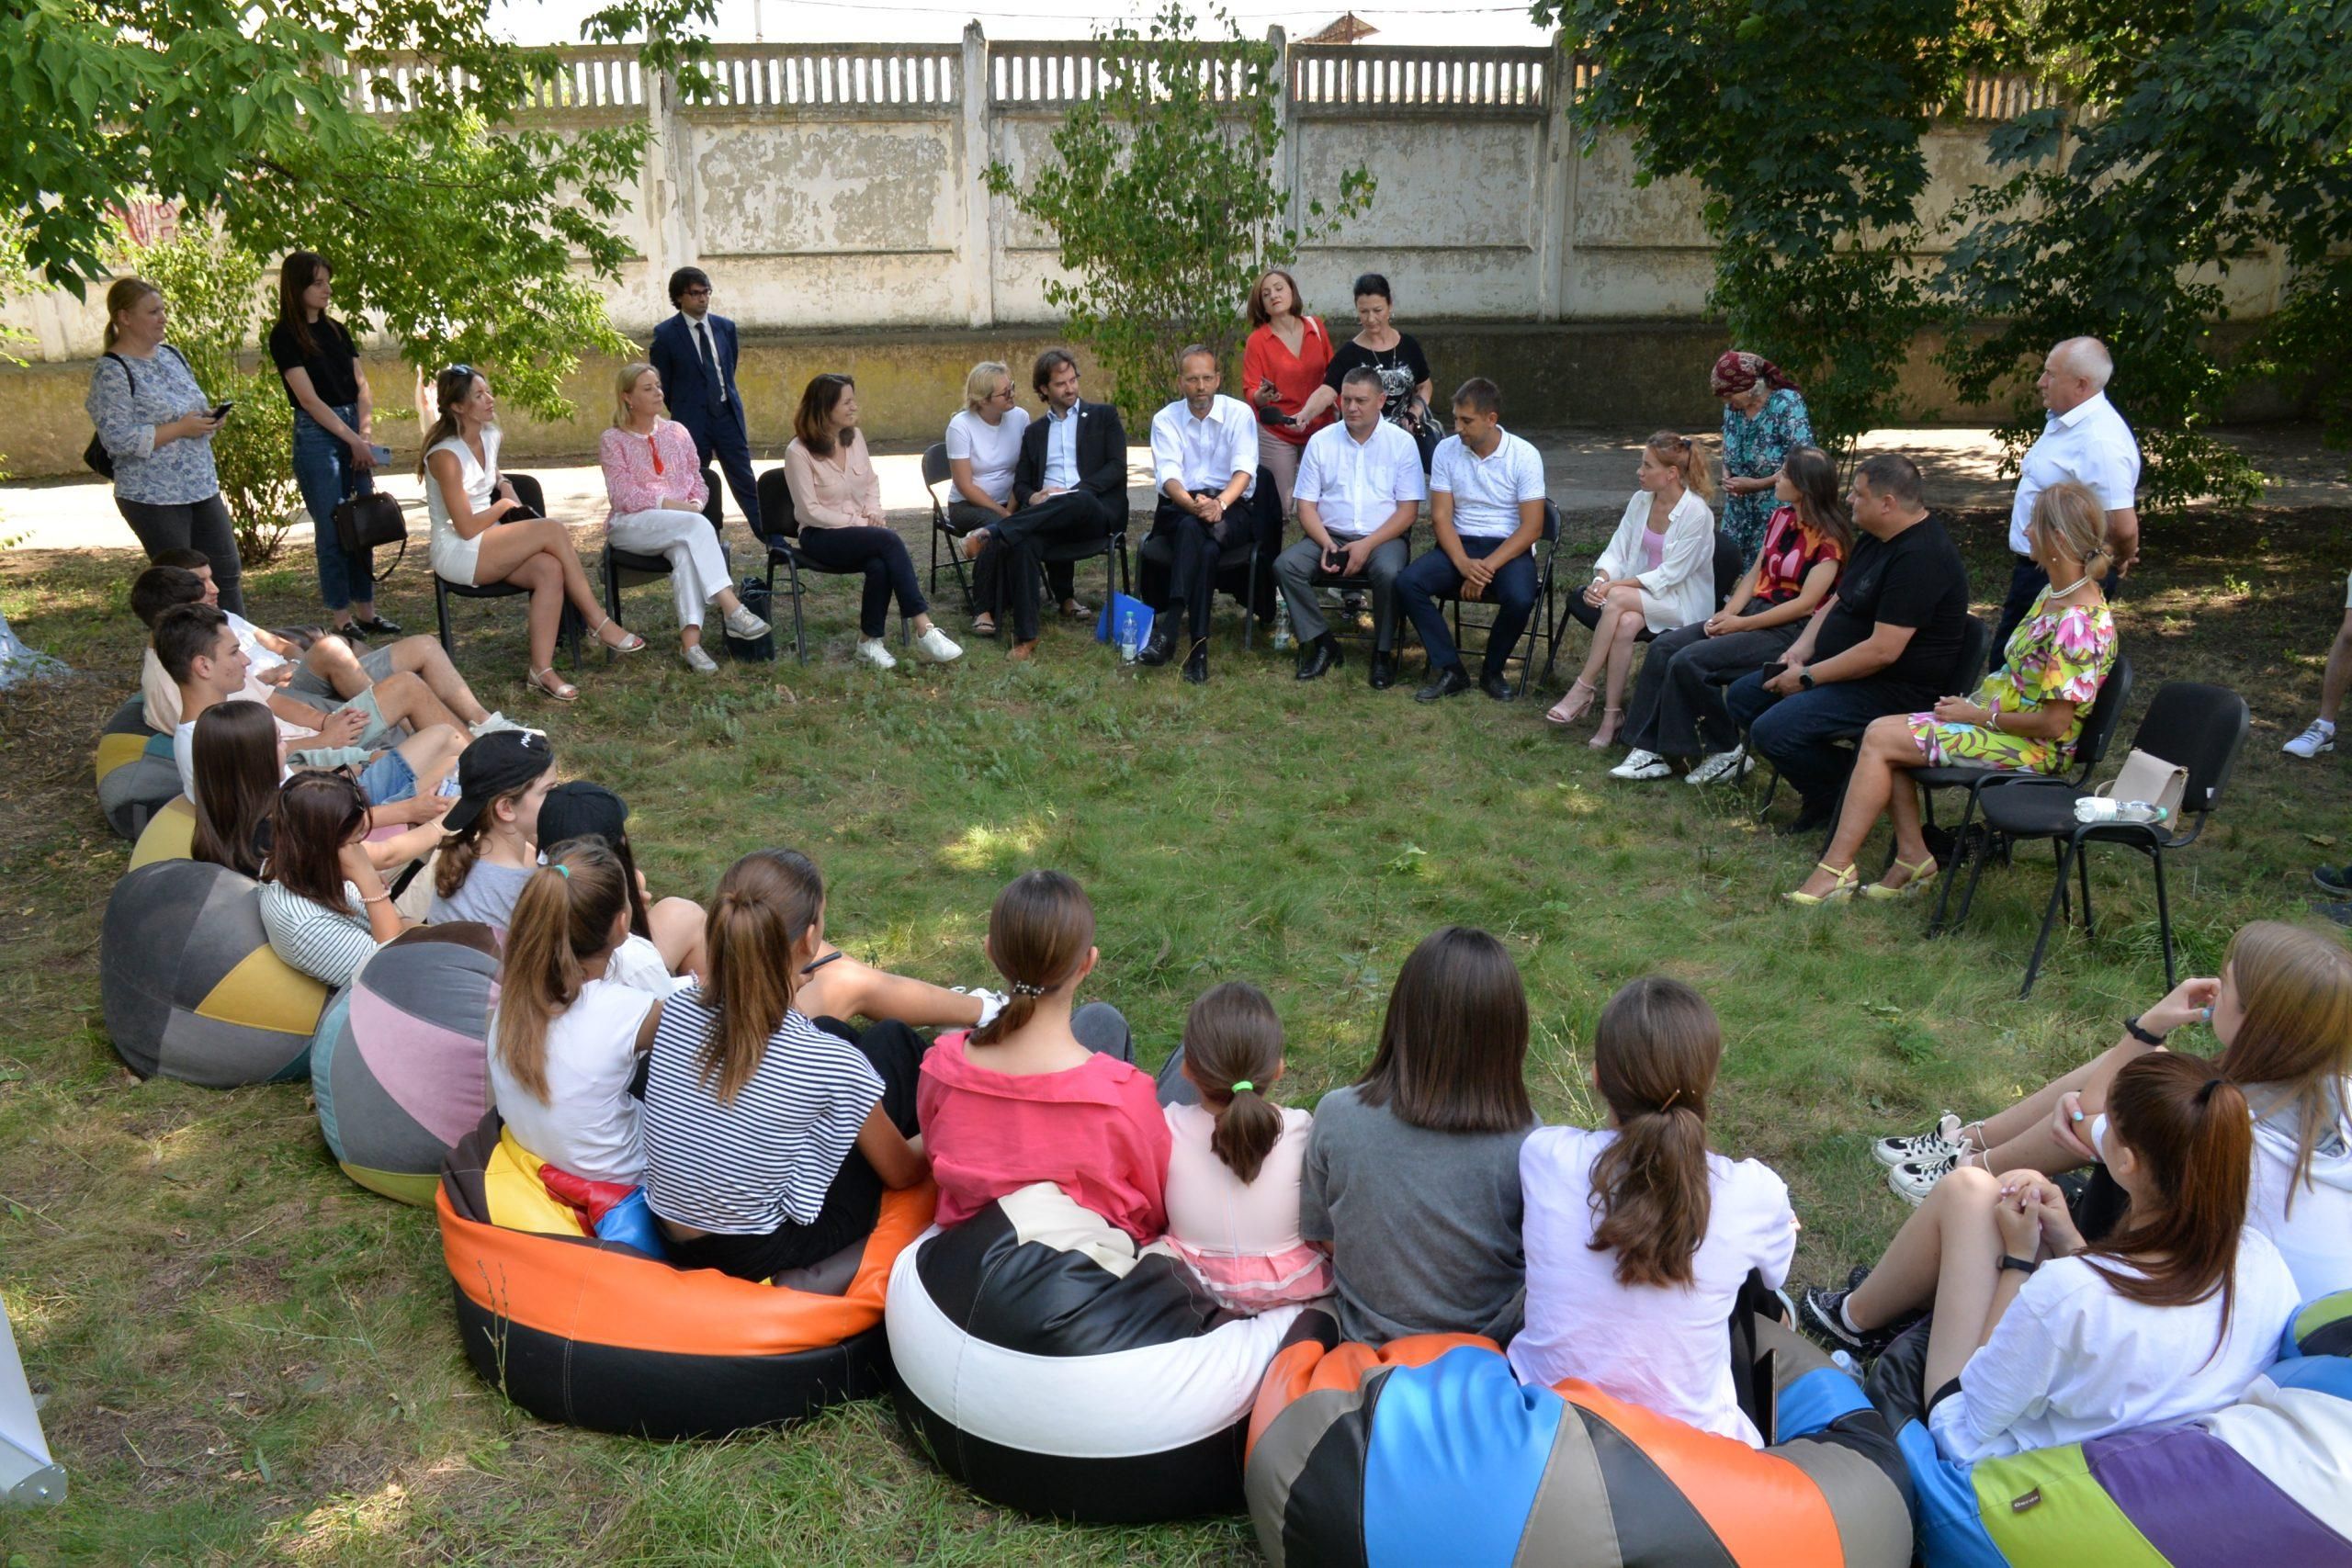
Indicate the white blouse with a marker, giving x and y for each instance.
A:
(1681, 589)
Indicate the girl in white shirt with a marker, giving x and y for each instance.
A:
(2041, 1340)
(565, 1037)
(1639, 1237)
(1657, 574)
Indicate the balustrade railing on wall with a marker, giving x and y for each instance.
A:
(1350, 76)
(836, 76)
(1026, 75)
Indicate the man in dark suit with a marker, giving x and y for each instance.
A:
(694, 352)
(1069, 487)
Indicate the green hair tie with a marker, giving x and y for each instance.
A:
(1244, 1084)
(564, 872)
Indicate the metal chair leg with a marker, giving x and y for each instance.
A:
(2083, 876)
(2050, 915)
(1959, 855)
(441, 613)
(2164, 915)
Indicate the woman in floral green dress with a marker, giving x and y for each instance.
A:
(2025, 716)
(1764, 420)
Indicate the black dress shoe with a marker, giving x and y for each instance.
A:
(1196, 664)
(1450, 683)
(1160, 647)
(377, 626)
(1383, 672)
(1498, 688)
(1318, 658)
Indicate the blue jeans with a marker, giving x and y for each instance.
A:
(324, 472)
(1796, 733)
(1432, 577)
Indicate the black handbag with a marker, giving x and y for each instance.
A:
(95, 457)
(363, 522)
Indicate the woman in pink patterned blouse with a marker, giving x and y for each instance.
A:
(657, 491)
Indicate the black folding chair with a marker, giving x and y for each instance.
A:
(628, 569)
(936, 473)
(2199, 727)
(1319, 578)
(2101, 721)
(1246, 560)
(1543, 620)
(528, 490)
(782, 540)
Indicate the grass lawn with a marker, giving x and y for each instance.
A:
(252, 1359)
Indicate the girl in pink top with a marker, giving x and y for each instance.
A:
(655, 481)
(1234, 1160)
(1021, 1099)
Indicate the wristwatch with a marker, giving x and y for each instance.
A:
(2022, 1265)
(1804, 680)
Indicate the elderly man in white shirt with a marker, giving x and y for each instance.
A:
(2084, 439)
(1204, 461)
(1487, 509)
(1359, 489)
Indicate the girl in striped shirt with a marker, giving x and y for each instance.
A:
(322, 901)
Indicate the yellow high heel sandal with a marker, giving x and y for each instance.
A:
(1848, 880)
(1921, 875)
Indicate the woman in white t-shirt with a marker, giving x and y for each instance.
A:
(565, 1036)
(472, 544)
(2040, 1338)
(1638, 1237)
(983, 448)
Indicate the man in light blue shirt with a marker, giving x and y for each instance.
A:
(1205, 465)
(2083, 439)
(1487, 508)
(1359, 489)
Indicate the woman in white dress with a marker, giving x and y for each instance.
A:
(472, 542)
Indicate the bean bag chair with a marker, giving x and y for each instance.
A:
(597, 1334)
(1429, 1450)
(190, 985)
(136, 772)
(2265, 1481)
(401, 1066)
(170, 834)
(1045, 1365)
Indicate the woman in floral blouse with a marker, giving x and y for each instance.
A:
(2025, 715)
(1764, 419)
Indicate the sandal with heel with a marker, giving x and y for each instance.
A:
(1848, 879)
(630, 642)
(1606, 736)
(562, 691)
(1915, 877)
(1574, 704)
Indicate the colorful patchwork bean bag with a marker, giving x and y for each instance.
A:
(401, 1066)
(598, 1334)
(191, 987)
(136, 772)
(1045, 1365)
(1431, 1451)
(170, 834)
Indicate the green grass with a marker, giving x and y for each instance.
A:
(252, 1359)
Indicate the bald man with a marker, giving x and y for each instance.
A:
(2083, 439)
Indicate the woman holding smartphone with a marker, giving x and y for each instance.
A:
(156, 426)
(334, 457)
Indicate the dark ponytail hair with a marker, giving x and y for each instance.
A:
(1040, 930)
(1233, 1051)
(1654, 1054)
(765, 903)
(235, 770)
(2190, 1128)
(1820, 507)
(564, 916)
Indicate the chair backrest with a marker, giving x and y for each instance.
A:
(776, 505)
(2104, 718)
(2199, 727)
(528, 490)
(1551, 521)
(1976, 646)
(1729, 568)
(934, 464)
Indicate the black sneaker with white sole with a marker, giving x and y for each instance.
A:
(1821, 1317)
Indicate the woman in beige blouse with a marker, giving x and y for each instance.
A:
(837, 498)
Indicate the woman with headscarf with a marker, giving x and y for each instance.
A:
(1764, 418)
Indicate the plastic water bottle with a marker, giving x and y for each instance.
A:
(1130, 633)
(1282, 621)
(2097, 808)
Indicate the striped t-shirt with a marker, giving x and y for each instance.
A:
(765, 1161)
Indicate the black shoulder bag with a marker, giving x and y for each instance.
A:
(94, 456)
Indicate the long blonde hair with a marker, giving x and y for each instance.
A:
(624, 383)
(563, 919)
(2294, 1045)
(765, 903)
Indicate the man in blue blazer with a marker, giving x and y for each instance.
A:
(694, 352)
(1069, 487)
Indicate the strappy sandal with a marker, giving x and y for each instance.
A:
(562, 691)
(1606, 736)
(1848, 880)
(1917, 877)
(630, 642)
(1574, 704)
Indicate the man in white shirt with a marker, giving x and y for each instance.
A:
(1487, 508)
(1359, 489)
(1205, 464)
(2083, 439)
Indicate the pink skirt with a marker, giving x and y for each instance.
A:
(1256, 1283)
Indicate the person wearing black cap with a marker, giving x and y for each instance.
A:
(664, 948)
(493, 846)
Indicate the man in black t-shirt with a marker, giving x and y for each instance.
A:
(1887, 642)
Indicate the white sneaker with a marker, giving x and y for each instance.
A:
(2319, 736)
(1640, 765)
(742, 623)
(871, 650)
(1722, 765)
(1944, 1140)
(695, 660)
(1914, 1179)
(493, 723)
(938, 647)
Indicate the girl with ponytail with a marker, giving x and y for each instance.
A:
(1639, 1237)
(1235, 1157)
(1041, 1093)
(769, 1139)
(492, 848)
(565, 1036)
(2041, 1340)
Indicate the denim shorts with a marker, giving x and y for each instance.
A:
(387, 780)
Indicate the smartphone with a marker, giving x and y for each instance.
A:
(221, 413)
(383, 455)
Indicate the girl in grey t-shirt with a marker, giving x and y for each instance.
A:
(494, 828)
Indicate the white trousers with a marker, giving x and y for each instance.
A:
(697, 564)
